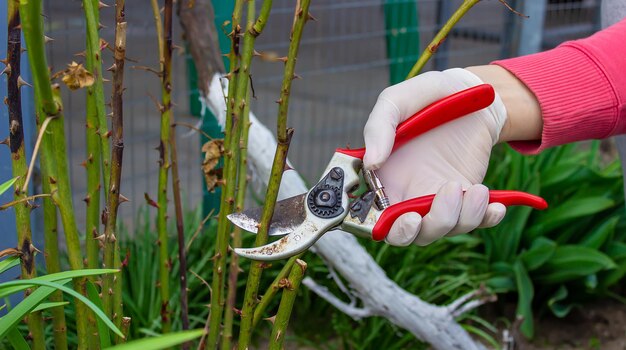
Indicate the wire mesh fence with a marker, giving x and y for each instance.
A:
(65, 24)
(348, 56)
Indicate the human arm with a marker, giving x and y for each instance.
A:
(567, 94)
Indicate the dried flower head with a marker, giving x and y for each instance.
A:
(76, 76)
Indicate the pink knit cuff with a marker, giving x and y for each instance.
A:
(576, 98)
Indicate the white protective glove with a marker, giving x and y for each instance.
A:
(446, 160)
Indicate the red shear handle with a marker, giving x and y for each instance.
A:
(452, 107)
(421, 205)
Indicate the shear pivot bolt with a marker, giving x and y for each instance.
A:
(326, 198)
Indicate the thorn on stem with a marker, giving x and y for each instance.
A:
(21, 82)
(123, 199)
(6, 70)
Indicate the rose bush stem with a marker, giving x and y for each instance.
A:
(233, 269)
(284, 138)
(229, 176)
(112, 282)
(165, 264)
(18, 162)
(53, 148)
(273, 289)
(290, 292)
(440, 37)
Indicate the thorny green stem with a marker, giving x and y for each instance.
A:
(53, 265)
(226, 201)
(233, 270)
(165, 264)
(440, 37)
(64, 203)
(180, 230)
(156, 14)
(273, 289)
(114, 306)
(118, 307)
(94, 108)
(18, 159)
(280, 157)
(53, 148)
(290, 291)
(264, 15)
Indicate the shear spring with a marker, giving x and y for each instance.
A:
(374, 183)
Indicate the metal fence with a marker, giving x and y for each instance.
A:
(65, 24)
(347, 57)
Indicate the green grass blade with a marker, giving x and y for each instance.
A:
(540, 251)
(6, 290)
(571, 262)
(526, 294)
(8, 263)
(44, 306)
(6, 185)
(601, 234)
(482, 335)
(17, 340)
(559, 307)
(103, 330)
(161, 342)
(71, 292)
(13, 317)
(567, 211)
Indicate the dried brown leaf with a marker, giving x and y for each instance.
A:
(10, 252)
(213, 150)
(150, 201)
(76, 76)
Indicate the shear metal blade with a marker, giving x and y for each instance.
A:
(289, 214)
(293, 243)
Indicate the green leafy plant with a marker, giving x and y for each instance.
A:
(36, 300)
(160, 342)
(569, 253)
(5, 186)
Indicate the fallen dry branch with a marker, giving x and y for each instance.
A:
(379, 295)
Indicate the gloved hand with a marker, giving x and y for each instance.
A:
(446, 160)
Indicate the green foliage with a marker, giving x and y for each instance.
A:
(103, 330)
(141, 275)
(8, 263)
(45, 306)
(570, 252)
(5, 186)
(36, 300)
(438, 273)
(17, 340)
(160, 342)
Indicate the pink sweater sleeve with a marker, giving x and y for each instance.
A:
(581, 88)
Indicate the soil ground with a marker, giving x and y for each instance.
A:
(600, 325)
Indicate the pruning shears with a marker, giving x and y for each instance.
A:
(305, 218)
